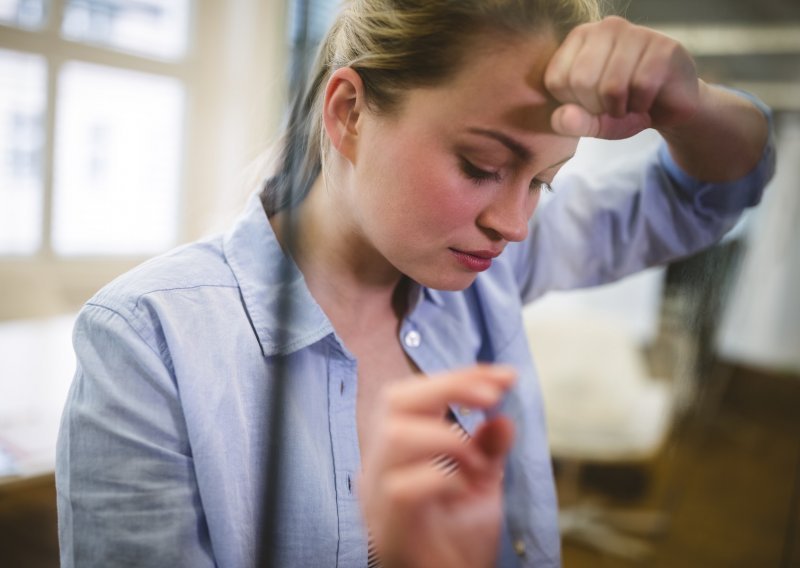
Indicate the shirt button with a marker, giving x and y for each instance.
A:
(466, 411)
(519, 547)
(412, 339)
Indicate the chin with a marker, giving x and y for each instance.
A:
(451, 282)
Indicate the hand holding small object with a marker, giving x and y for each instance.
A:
(452, 519)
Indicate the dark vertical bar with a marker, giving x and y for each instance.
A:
(267, 544)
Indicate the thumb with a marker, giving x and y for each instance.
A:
(574, 120)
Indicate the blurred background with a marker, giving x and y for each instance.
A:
(128, 127)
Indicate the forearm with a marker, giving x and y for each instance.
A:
(723, 141)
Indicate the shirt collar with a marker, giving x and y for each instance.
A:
(259, 265)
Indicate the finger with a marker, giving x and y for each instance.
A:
(678, 95)
(649, 76)
(409, 487)
(614, 85)
(480, 386)
(390, 500)
(587, 68)
(495, 437)
(493, 440)
(574, 120)
(556, 76)
(410, 440)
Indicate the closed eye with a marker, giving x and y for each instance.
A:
(541, 185)
(477, 174)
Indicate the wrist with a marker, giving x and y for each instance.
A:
(723, 140)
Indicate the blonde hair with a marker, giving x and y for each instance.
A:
(394, 46)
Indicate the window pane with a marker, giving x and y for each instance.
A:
(23, 13)
(151, 27)
(117, 164)
(22, 111)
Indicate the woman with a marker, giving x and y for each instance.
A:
(411, 169)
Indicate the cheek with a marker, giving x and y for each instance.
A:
(452, 210)
(412, 186)
(439, 197)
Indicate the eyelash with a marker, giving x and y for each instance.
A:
(479, 176)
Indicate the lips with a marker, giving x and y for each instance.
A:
(475, 260)
(481, 253)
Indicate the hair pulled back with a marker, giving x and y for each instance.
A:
(394, 46)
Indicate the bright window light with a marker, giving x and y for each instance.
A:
(156, 28)
(23, 13)
(118, 161)
(22, 111)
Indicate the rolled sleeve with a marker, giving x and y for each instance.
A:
(727, 198)
(634, 212)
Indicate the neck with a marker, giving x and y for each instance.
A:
(352, 282)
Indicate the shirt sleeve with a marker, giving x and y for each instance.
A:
(609, 223)
(127, 494)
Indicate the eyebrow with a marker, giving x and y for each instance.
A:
(519, 149)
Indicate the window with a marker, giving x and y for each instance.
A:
(92, 106)
(117, 156)
(156, 28)
(22, 114)
(23, 13)
(126, 127)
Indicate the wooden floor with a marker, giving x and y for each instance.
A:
(728, 481)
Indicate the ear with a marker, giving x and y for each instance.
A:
(342, 106)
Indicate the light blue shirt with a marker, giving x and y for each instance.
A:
(162, 446)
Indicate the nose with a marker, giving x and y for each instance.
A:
(507, 215)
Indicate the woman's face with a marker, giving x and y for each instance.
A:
(444, 184)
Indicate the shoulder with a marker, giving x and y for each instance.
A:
(184, 271)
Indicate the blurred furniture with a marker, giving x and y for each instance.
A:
(602, 407)
(28, 523)
(36, 368)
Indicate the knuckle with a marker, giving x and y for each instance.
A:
(554, 80)
(644, 86)
(581, 81)
(666, 43)
(617, 25)
(613, 89)
(616, 21)
(581, 30)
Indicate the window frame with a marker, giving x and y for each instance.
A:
(227, 91)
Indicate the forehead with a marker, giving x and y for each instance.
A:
(500, 85)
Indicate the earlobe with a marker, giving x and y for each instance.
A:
(344, 95)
